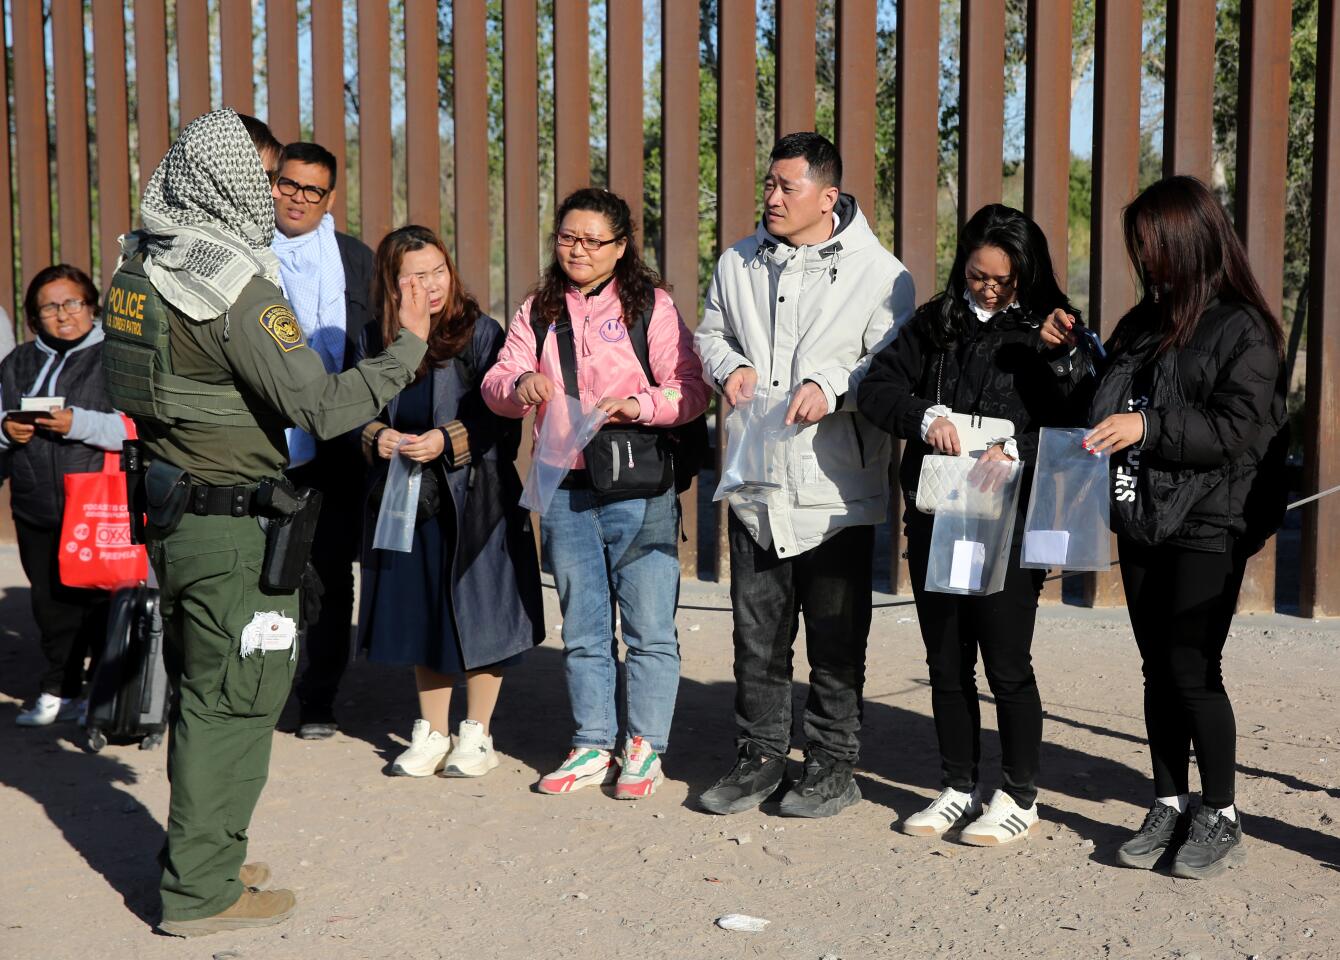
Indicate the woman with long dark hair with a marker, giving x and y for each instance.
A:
(465, 601)
(973, 349)
(607, 549)
(1191, 405)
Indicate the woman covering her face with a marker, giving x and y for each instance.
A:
(1191, 404)
(465, 601)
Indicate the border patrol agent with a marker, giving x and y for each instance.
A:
(207, 356)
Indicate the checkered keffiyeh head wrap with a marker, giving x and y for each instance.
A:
(208, 218)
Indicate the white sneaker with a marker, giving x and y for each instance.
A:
(951, 808)
(583, 767)
(426, 755)
(47, 710)
(473, 755)
(1003, 821)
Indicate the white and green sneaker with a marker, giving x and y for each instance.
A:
(583, 767)
(640, 772)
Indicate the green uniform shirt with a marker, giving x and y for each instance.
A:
(259, 349)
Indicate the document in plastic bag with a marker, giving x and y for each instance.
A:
(755, 435)
(400, 504)
(1069, 510)
(565, 432)
(970, 539)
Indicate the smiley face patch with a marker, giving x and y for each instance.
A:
(612, 331)
(280, 323)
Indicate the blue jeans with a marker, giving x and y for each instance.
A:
(625, 553)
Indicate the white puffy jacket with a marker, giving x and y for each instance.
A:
(819, 313)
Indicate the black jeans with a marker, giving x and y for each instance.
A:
(830, 585)
(954, 628)
(1181, 604)
(338, 473)
(72, 623)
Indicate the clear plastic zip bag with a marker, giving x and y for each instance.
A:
(755, 434)
(970, 539)
(1069, 511)
(565, 432)
(400, 504)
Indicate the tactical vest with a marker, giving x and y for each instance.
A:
(137, 360)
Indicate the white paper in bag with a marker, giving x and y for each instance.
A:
(965, 572)
(1047, 547)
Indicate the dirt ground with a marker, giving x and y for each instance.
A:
(389, 867)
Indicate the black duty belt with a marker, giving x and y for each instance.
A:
(236, 501)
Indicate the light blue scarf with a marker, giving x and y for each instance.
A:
(313, 277)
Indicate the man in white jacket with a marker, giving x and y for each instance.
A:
(800, 308)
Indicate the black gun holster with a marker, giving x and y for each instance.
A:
(289, 517)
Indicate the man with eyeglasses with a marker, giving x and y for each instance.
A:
(327, 276)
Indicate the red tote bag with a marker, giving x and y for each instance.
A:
(96, 552)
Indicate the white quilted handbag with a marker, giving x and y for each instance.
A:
(942, 478)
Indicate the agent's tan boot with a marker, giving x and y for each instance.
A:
(255, 908)
(255, 875)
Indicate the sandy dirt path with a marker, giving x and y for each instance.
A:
(388, 867)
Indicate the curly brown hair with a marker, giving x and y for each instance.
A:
(635, 281)
(452, 326)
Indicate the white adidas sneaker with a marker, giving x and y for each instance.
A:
(951, 808)
(426, 755)
(472, 755)
(1003, 821)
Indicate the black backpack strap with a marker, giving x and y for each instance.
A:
(637, 335)
(567, 352)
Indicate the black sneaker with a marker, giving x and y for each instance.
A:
(1213, 844)
(755, 777)
(825, 788)
(316, 724)
(1152, 840)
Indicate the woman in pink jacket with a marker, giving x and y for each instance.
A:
(608, 543)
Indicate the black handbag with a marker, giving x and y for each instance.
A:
(629, 463)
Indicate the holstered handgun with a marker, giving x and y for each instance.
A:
(132, 463)
(290, 518)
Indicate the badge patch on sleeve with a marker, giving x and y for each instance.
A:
(280, 323)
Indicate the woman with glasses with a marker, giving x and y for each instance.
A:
(464, 603)
(608, 553)
(974, 349)
(62, 365)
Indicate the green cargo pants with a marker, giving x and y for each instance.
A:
(219, 741)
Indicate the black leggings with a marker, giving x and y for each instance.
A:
(1181, 603)
(953, 628)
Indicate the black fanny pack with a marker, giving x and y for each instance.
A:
(629, 463)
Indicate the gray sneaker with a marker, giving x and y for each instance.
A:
(1213, 844)
(1152, 840)
(826, 788)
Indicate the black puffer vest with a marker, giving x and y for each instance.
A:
(38, 467)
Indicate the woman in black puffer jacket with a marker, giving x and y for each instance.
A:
(1191, 404)
(974, 349)
(64, 360)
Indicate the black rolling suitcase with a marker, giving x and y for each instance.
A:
(129, 694)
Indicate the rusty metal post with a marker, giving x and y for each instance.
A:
(737, 174)
(679, 192)
(572, 98)
(328, 98)
(192, 60)
(374, 119)
(623, 97)
(1320, 573)
(151, 86)
(113, 132)
(239, 91)
(1188, 95)
(471, 116)
(30, 134)
(7, 297)
(71, 98)
(856, 80)
(981, 144)
(520, 148)
(281, 69)
(423, 145)
(1116, 161)
(795, 66)
(1047, 127)
(1263, 139)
